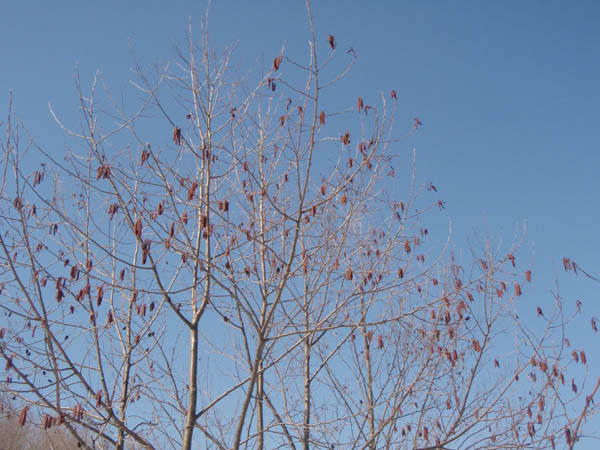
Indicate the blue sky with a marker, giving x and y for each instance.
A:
(508, 93)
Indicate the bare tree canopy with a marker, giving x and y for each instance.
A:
(237, 262)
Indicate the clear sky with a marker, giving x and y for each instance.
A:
(508, 93)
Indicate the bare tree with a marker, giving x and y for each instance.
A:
(231, 266)
(29, 436)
